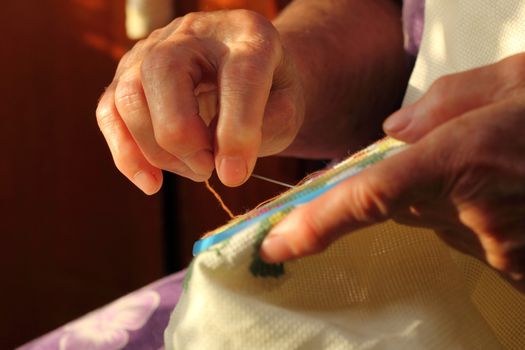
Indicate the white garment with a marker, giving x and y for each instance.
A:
(384, 287)
(464, 34)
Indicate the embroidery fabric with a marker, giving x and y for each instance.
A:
(304, 193)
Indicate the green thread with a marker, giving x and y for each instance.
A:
(219, 247)
(371, 160)
(258, 267)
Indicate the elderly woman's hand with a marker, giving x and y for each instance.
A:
(463, 175)
(161, 110)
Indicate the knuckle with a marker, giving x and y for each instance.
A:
(157, 158)
(366, 202)
(248, 14)
(161, 57)
(155, 35)
(513, 73)
(194, 24)
(434, 109)
(254, 22)
(140, 44)
(259, 47)
(518, 65)
(312, 239)
(190, 18)
(433, 102)
(175, 23)
(104, 114)
(131, 57)
(172, 136)
(443, 83)
(128, 94)
(154, 60)
(441, 86)
(258, 36)
(124, 60)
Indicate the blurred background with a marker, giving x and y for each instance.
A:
(75, 234)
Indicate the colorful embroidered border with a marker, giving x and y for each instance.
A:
(303, 193)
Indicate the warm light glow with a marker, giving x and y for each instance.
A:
(100, 43)
(265, 7)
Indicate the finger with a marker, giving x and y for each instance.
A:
(448, 97)
(284, 113)
(368, 198)
(505, 256)
(127, 156)
(245, 83)
(169, 73)
(499, 228)
(132, 106)
(283, 118)
(207, 99)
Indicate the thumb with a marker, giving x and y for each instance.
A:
(367, 198)
(448, 97)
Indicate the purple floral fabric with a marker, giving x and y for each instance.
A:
(137, 321)
(413, 20)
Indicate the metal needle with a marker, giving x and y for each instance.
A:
(272, 181)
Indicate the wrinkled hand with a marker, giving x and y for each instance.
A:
(463, 175)
(210, 90)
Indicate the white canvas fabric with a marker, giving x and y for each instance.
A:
(385, 287)
(464, 34)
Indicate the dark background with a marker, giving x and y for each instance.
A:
(74, 233)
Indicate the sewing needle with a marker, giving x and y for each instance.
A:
(272, 181)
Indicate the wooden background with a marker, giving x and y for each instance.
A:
(74, 233)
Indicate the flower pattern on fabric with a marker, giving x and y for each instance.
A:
(107, 329)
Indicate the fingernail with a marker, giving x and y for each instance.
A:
(201, 163)
(146, 182)
(398, 121)
(516, 276)
(275, 249)
(233, 171)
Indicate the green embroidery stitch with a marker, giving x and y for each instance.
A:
(371, 159)
(219, 247)
(258, 267)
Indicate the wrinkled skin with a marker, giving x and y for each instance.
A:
(156, 114)
(463, 175)
(216, 90)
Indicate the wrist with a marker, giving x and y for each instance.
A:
(350, 59)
